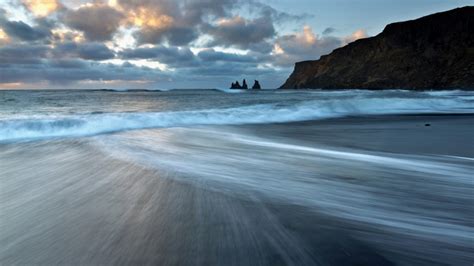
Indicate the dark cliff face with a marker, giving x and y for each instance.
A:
(433, 52)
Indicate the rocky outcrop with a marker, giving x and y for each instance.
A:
(432, 52)
(256, 85)
(235, 85)
(244, 85)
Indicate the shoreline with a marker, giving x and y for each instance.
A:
(97, 209)
(452, 134)
(415, 121)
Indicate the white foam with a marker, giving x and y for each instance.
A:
(92, 124)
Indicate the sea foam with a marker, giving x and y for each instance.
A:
(92, 124)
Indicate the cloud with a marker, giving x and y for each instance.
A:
(34, 53)
(240, 32)
(160, 21)
(22, 54)
(95, 51)
(79, 42)
(24, 32)
(210, 55)
(90, 51)
(64, 71)
(306, 45)
(328, 31)
(172, 22)
(277, 16)
(4, 38)
(67, 63)
(173, 35)
(180, 23)
(41, 8)
(183, 57)
(66, 35)
(356, 35)
(171, 56)
(195, 11)
(98, 22)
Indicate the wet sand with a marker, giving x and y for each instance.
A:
(65, 202)
(446, 134)
(115, 213)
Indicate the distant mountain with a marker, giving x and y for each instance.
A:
(432, 52)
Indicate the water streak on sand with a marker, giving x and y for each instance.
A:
(162, 179)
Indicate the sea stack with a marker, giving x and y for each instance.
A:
(236, 85)
(244, 85)
(433, 52)
(256, 85)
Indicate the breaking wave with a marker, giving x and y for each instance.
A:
(93, 124)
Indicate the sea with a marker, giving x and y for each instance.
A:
(232, 177)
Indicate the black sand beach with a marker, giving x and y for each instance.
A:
(66, 202)
(122, 143)
(447, 134)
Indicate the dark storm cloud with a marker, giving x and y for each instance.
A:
(98, 22)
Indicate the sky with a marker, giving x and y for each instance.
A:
(164, 44)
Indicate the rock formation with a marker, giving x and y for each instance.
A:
(244, 85)
(235, 85)
(432, 52)
(256, 85)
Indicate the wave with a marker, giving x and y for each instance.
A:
(129, 90)
(92, 124)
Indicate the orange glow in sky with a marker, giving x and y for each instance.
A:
(41, 8)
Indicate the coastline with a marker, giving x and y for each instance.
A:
(97, 209)
(121, 143)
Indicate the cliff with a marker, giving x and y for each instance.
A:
(432, 52)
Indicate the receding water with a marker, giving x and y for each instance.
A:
(207, 177)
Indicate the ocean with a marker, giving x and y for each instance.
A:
(211, 177)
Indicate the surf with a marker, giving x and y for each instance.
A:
(26, 127)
